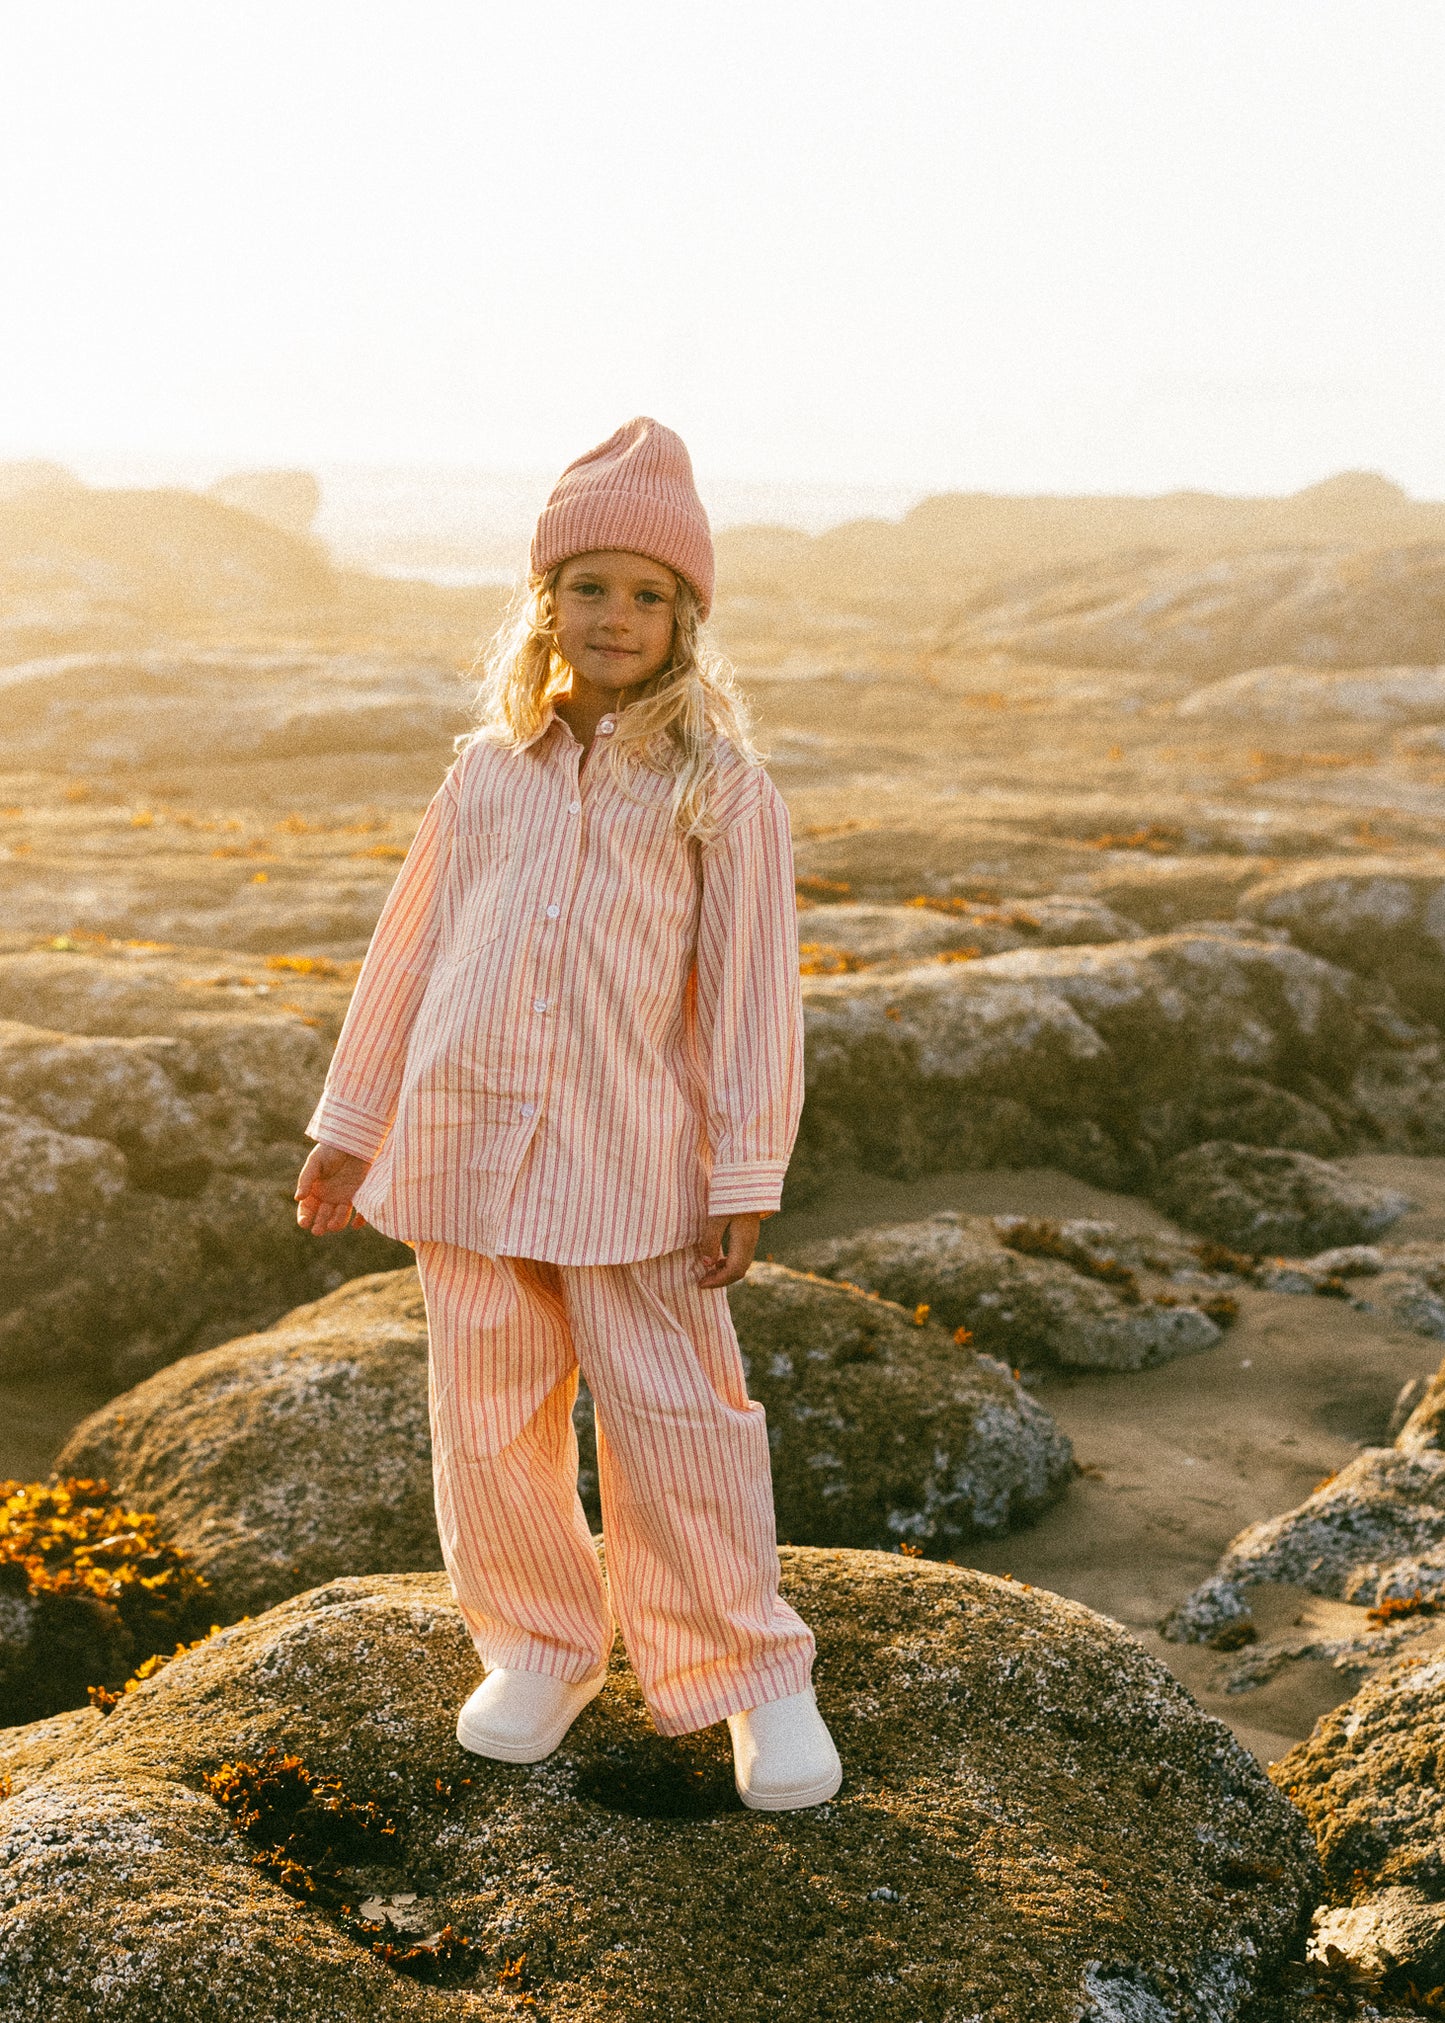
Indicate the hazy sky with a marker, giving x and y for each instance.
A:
(1071, 245)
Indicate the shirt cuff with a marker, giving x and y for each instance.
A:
(756, 1189)
(348, 1127)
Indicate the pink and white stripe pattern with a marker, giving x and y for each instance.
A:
(576, 1035)
(683, 1467)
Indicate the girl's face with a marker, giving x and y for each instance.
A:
(615, 615)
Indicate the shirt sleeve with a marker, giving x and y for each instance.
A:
(750, 1006)
(359, 1100)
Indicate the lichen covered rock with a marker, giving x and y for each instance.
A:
(1267, 1199)
(1037, 1823)
(1383, 917)
(865, 936)
(1404, 1280)
(151, 1129)
(882, 1428)
(1105, 1059)
(1024, 1308)
(287, 1457)
(1367, 1782)
(294, 1455)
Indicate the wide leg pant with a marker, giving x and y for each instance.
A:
(683, 1468)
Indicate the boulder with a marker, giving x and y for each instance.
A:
(1037, 1823)
(1366, 1780)
(1384, 917)
(882, 1428)
(1063, 1056)
(28, 1751)
(1268, 1199)
(304, 1452)
(281, 1460)
(1026, 1308)
(154, 559)
(149, 1147)
(1372, 1534)
(36, 474)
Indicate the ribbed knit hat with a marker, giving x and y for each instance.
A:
(635, 491)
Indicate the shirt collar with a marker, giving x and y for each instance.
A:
(549, 720)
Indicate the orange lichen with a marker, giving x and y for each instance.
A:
(1395, 1608)
(819, 958)
(313, 965)
(107, 1701)
(1157, 836)
(104, 1589)
(1037, 1236)
(307, 1832)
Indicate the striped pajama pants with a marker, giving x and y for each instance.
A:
(683, 1472)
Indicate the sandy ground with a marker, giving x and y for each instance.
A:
(1178, 1459)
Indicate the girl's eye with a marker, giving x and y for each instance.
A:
(649, 597)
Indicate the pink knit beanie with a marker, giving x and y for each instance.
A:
(635, 491)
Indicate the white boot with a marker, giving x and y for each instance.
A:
(783, 1755)
(520, 1717)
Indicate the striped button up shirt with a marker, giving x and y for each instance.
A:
(576, 1034)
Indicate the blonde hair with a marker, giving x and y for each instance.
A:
(671, 728)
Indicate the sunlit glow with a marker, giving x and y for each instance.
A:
(949, 243)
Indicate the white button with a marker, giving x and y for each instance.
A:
(574, 807)
(553, 910)
(607, 724)
(539, 1004)
(529, 1109)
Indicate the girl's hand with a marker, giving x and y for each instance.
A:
(323, 1193)
(727, 1247)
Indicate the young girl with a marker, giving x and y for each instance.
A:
(570, 1077)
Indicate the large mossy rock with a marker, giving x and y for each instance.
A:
(285, 1458)
(1027, 1309)
(1261, 1199)
(1104, 1060)
(1037, 1825)
(151, 1130)
(882, 1427)
(294, 1455)
(1367, 1780)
